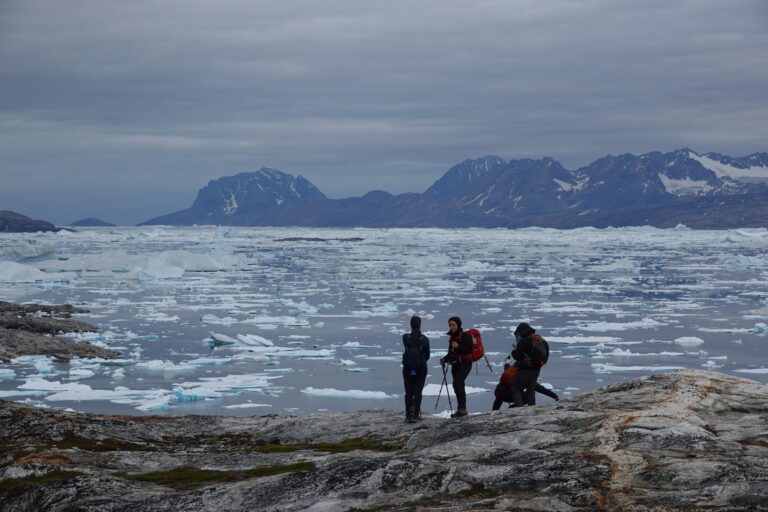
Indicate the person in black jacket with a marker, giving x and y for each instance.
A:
(528, 364)
(459, 348)
(415, 358)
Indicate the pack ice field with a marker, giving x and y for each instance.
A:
(244, 321)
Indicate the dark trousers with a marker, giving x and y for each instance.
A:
(414, 385)
(504, 394)
(459, 373)
(501, 394)
(524, 387)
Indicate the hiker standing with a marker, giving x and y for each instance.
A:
(530, 353)
(458, 356)
(415, 357)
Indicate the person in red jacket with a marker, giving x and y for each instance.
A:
(458, 356)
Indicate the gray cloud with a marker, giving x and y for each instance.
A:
(127, 108)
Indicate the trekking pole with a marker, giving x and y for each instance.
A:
(488, 363)
(447, 391)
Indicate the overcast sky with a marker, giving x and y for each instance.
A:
(124, 109)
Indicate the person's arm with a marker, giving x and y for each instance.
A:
(425, 348)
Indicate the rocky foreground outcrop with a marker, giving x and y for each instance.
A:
(32, 329)
(690, 440)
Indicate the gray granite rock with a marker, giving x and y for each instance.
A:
(689, 440)
(32, 329)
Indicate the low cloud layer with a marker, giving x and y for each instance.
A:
(124, 109)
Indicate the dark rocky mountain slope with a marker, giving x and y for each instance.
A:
(659, 189)
(12, 222)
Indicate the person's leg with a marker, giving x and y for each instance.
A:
(530, 387)
(546, 391)
(418, 387)
(408, 383)
(517, 388)
(459, 373)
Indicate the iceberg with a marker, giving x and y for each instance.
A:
(7, 374)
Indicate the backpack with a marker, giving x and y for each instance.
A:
(478, 350)
(540, 353)
(413, 357)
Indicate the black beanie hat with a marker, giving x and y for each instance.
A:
(415, 322)
(455, 319)
(523, 330)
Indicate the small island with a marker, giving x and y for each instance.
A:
(12, 222)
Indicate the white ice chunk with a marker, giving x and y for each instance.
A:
(7, 374)
(246, 406)
(210, 361)
(350, 393)
(254, 340)
(689, 341)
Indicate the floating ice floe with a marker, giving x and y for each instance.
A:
(608, 368)
(216, 339)
(302, 307)
(246, 406)
(689, 341)
(357, 344)
(158, 365)
(760, 328)
(7, 374)
(43, 364)
(618, 326)
(582, 339)
(212, 319)
(434, 390)
(358, 369)
(348, 362)
(210, 361)
(80, 373)
(11, 272)
(752, 370)
(387, 309)
(254, 340)
(351, 393)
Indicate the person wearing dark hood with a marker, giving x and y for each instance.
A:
(415, 358)
(458, 356)
(503, 391)
(530, 353)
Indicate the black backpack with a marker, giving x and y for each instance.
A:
(413, 357)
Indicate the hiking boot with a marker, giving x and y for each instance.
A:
(459, 413)
(417, 418)
(408, 418)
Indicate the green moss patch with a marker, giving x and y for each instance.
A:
(21, 485)
(348, 445)
(187, 476)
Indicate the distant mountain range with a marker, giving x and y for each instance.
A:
(658, 189)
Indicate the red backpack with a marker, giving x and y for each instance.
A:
(478, 350)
